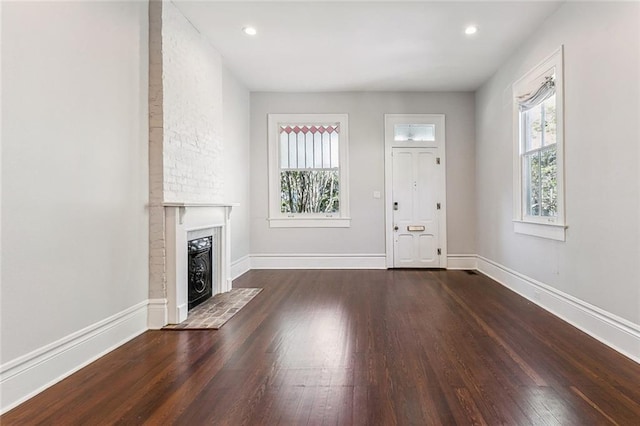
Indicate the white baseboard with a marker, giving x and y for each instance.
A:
(30, 374)
(158, 314)
(333, 261)
(318, 261)
(615, 332)
(183, 312)
(240, 266)
(462, 261)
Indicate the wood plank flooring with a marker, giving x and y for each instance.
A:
(404, 347)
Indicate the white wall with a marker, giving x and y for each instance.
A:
(235, 106)
(366, 161)
(598, 263)
(74, 175)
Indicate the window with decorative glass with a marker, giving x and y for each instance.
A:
(538, 154)
(308, 170)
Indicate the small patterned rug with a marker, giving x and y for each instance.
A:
(216, 311)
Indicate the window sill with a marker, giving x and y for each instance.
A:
(307, 222)
(549, 231)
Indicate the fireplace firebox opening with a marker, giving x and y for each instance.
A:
(200, 270)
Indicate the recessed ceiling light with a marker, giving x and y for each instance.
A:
(471, 29)
(249, 31)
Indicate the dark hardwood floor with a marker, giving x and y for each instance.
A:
(356, 347)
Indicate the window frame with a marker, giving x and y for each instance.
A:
(541, 226)
(278, 219)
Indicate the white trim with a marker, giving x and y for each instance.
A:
(189, 204)
(313, 222)
(523, 84)
(462, 261)
(618, 333)
(544, 230)
(183, 222)
(30, 374)
(158, 314)
(440, 144)
(182, 311)
(240, 266)
(277, 219)
(318, 261)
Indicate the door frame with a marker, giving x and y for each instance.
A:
(439, 144)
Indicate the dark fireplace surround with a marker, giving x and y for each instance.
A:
(200, 287)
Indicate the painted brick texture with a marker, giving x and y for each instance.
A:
(192, 112)
(185, 125)
(157, 272)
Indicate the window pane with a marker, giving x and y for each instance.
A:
(309, 146)
(532, 128)
(549, 107)
(293, 158)
(308, 150)
(414, 132)
(309, 191)
(317, 150)
(334, 150)
(301, 150)
(548, 182)
(284, 150)
(531, 181)
(326, 147)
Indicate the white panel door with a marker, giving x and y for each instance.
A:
(415, 207)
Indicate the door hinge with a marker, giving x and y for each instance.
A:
(438, 206)
(437, 160)
(439, 252)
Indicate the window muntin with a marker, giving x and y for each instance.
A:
(308, 170)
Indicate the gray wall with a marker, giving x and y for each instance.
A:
(598, 263)
(235, 112)
(74, 167)
(366, 161)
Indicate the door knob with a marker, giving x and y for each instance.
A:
(395, 228)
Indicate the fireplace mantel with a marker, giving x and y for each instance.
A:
(184, 221)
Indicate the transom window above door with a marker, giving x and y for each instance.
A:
(308, 170)
(414, 132)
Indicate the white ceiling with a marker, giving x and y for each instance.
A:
(365, 45)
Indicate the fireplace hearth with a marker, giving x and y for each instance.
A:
(200, 271)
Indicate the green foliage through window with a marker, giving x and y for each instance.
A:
(310, 191)
(540, 169)
(542, 190)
